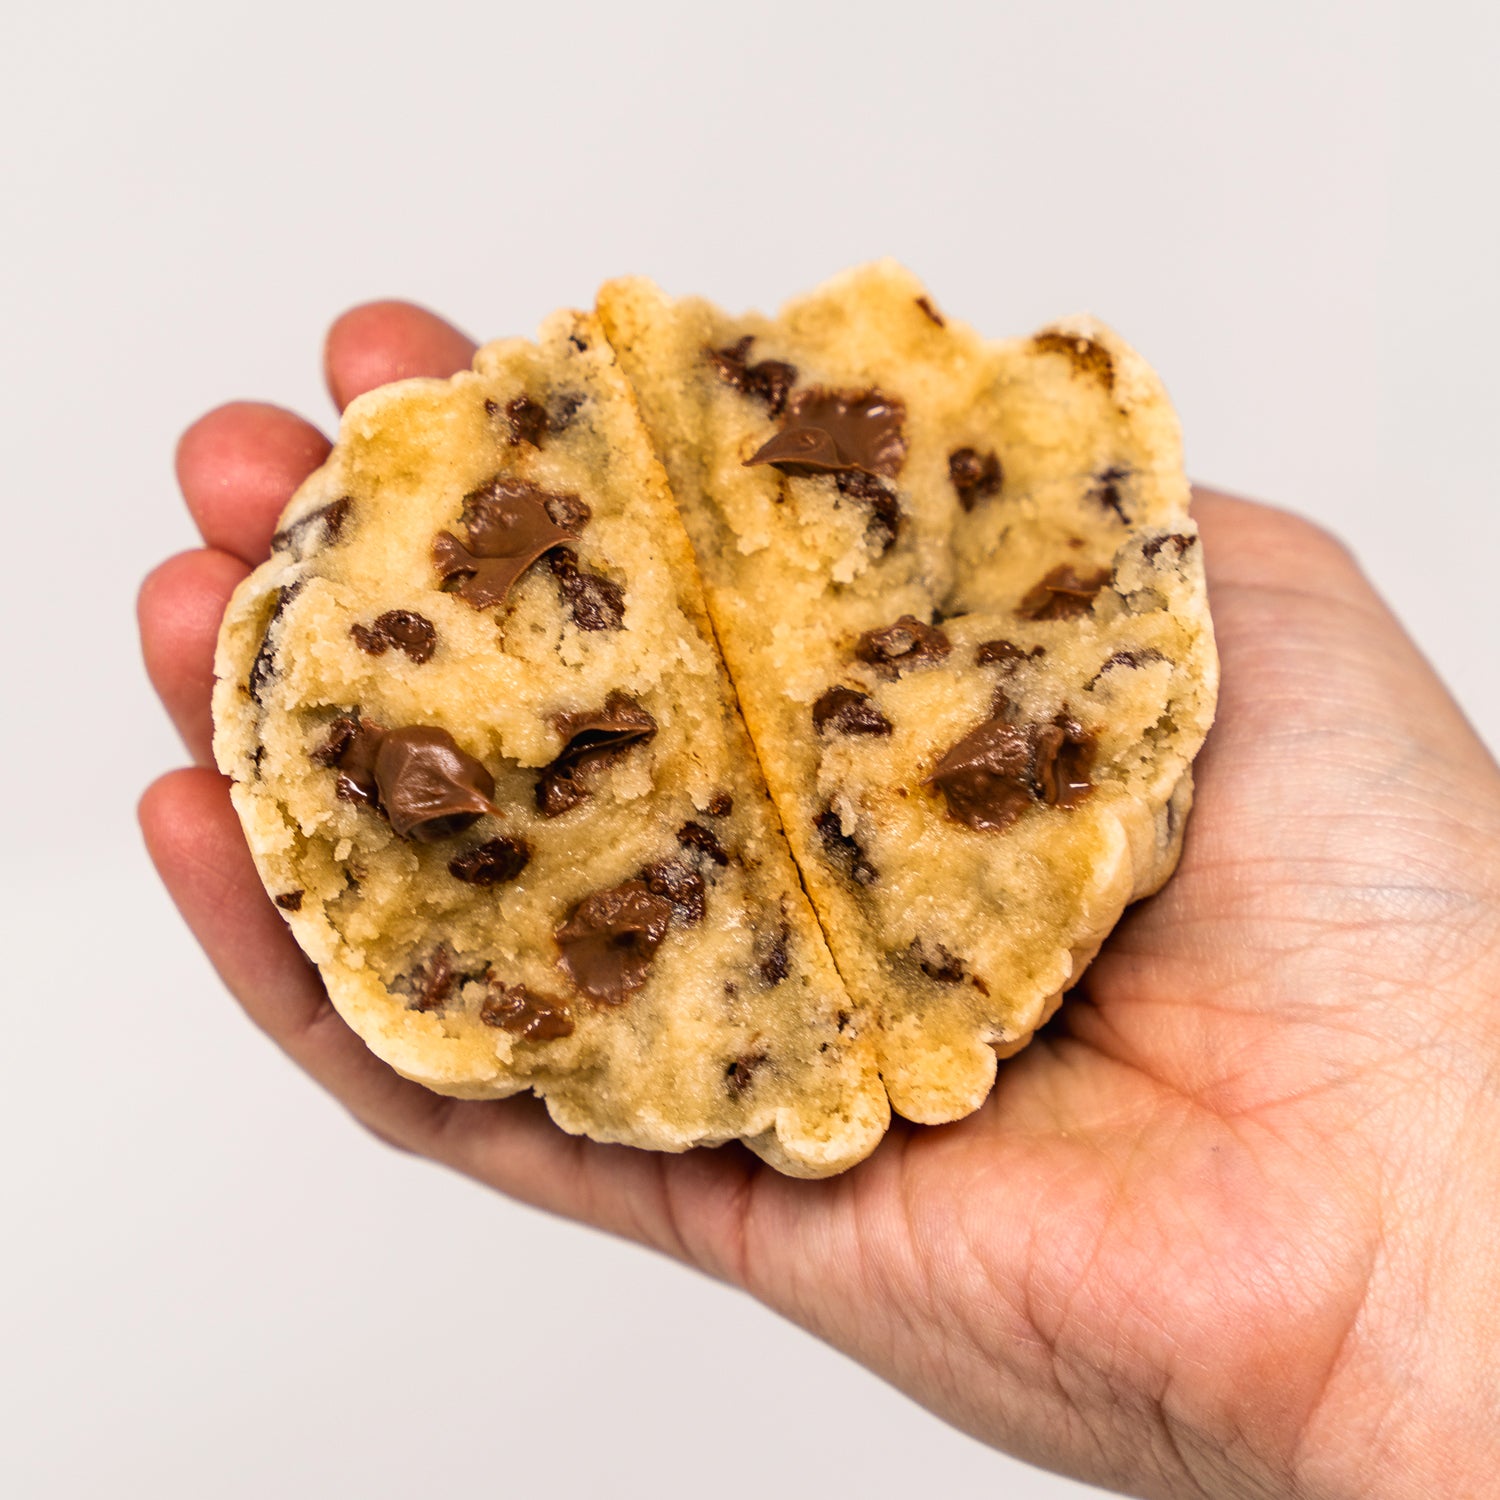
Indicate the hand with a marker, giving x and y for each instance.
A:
(1230, 1225)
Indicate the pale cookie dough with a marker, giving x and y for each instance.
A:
(489, 767)
(962, 603)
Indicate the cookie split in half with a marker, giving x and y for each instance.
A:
(492, 768)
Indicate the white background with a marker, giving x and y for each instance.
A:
(211, 1284)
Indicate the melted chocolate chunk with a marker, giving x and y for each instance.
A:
(986, 778)
(826, 432)
(429, 984)
(704, 840)
(509, 528)
(1063, 594)
(740, 1074)
(595, 602)
(844, 710)
(404, 629)
(992, 775)
(1106, 491)
(1064, 758)
(429, 788)
(491, 863)
(884, 523)
(321, 527)
(593, 740)
(351, 747)
(607, 944)
(1087, 357)
(770, 381)
(843, 849)
(720, 805)
(1006, 653)
(290, 900)
(532, 1017)
(677, 882)
(527, 420)
(898, 648)
(931, 312)
(975, 475)
(938, 963)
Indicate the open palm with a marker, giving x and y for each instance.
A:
(1224, 1227)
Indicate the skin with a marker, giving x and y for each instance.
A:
(1229, 1227)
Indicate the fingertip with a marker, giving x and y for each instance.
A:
(238, 465)
(378, 342)
(179, 607)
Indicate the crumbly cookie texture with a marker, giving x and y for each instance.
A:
(490, 769)
(963, 607)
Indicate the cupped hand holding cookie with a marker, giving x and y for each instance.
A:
(1228, 1226)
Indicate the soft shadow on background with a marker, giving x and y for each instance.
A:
(214, 1284)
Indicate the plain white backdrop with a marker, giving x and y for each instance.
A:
(214, 1284)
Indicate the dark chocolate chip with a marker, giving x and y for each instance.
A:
(321, 527)
(564, 409)
(1006, 653)
(975, 475)
(429, 788)
(290, 900)
(405, 629)
(937, 962)
(1152, 550)
(844, 849)
(608, 942)
(986, 778)
(826, 432)
(998, 770)
(770, 381)
(509, 528)
(774, 963)
(351, 747)
(884, 522)
(592, 740)
(931, 312)
(898, 648)
(1064, 758)
(595, 602)
(1063, 594)
(1106, 491)
(527, 420)
(532, 1017)
(263, 667)
(491, 863)
(1127, 659)
(845, 710)
(428, 985)
(676, 881)
(740, 1074)
(696, 836)
(1088, 357)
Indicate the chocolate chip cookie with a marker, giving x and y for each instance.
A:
(962, 604)
(490, 768)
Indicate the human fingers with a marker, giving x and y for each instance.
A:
(379, 342)
(238, 466)
(1303, 632)
(178, 610)
(687, 1206)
